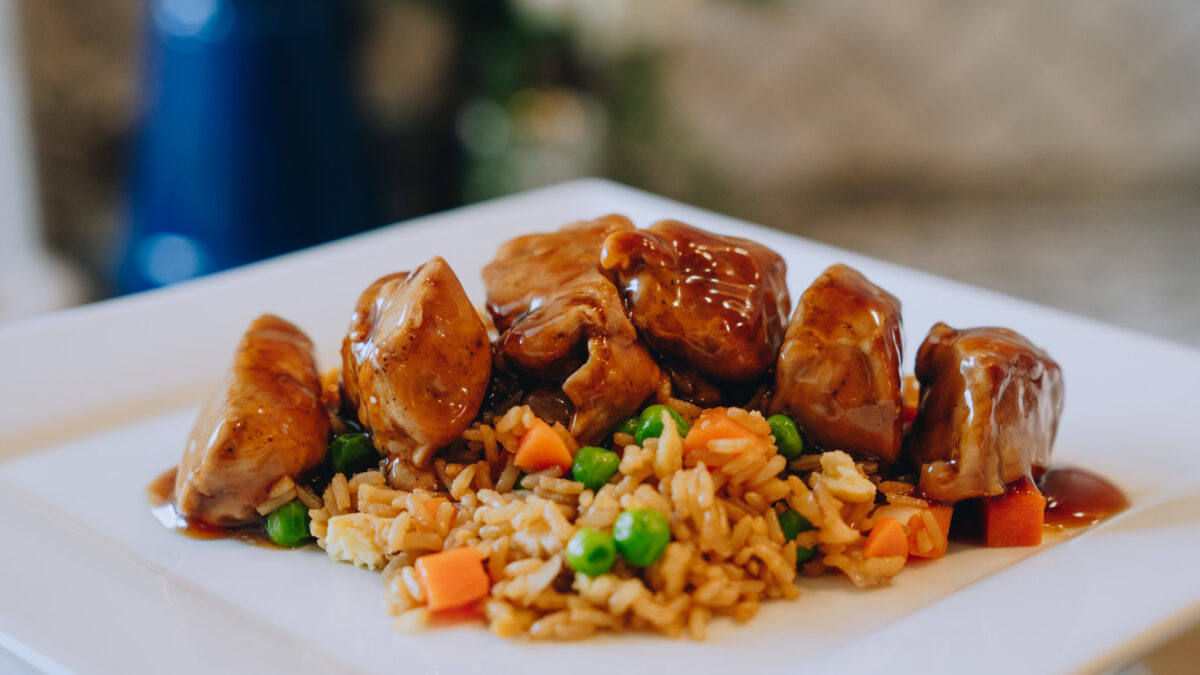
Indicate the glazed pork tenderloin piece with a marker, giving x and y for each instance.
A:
(415, 364)
(530, 269)
(715, 303)
(990, 404)
(617, 372)
(267, 421)
(838, 374)
(564, 325)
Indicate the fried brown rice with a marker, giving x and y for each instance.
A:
(727, 553)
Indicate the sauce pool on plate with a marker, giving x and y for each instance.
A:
(1078, 498)
(161, 492)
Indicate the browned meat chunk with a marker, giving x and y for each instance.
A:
(416, 361)
(990, 402)
(838, 374)
(618, 373)
(564, 322)
(266, 422)
(717, 303)
(529, 269)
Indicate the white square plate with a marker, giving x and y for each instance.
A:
(98, 401)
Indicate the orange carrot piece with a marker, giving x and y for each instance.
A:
(453, 578)
(712, 425)
(541, 448)
(1016, 518)
(886, 539)
(925, 541)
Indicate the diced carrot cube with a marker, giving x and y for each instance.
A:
(886, 539)
(541, 448)
(1015, 518)
(453, 578)
(715, 425)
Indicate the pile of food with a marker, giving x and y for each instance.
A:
(632, 436)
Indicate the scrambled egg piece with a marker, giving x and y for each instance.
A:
(354, 537)
(845, 480)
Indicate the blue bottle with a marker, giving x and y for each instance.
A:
(248, 143)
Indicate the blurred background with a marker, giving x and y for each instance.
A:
(1047, 150)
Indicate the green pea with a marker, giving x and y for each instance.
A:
(288, 524)
(650, 423)
(352, 453)
(594, 466)
(591, 551)
(642, 535)
(627, 426)
(792, 524)
(803, 555)
(788, 440)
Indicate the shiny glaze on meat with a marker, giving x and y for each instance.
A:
(838, 374)
(416, 361)
(266, 422)
(717, 303)
(563, 322)
(529, 269)
(990, 403)
(582, 337)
